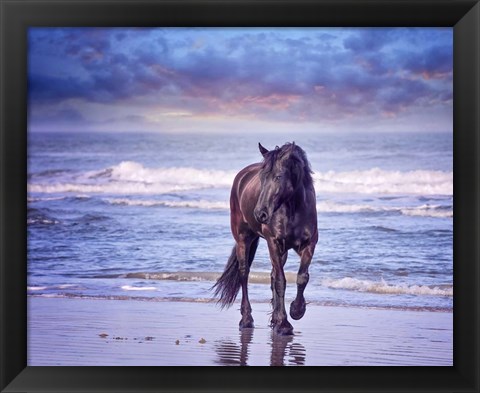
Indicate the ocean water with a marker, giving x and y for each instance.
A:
(146, 216)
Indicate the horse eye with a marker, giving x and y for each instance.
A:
(277, 178)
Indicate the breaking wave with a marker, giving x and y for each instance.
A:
(201, 204)
(36, 216)
(131, 177)
(60, 286)
(428, 211)
(425, 210)
(322, 207)
(348, 283)
(132, 288)
(187, 299)
(378, 181)
(254, 277)
(382, 287)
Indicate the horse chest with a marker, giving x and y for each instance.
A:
(289, 234)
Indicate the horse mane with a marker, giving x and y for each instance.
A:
(294, 153)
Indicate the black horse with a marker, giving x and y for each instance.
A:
(275, 200)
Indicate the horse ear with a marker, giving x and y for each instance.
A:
(262, 149)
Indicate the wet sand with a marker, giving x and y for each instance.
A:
(85, 332)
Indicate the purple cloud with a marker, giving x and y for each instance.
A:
(296, 75)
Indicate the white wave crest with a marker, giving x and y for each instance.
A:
(333, 207)
(201, 204)
(131, 177)
(322, 207)
(383, 287)
(111, 188)
(428, 211)
(130, 288)
(59, 286)
(36, 288)
(31, 199)
(255, 277)
(423, 210)
(378, 181)
(135, 172)
(44, 221)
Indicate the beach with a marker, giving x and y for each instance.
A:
(128, 232)
(101, 332)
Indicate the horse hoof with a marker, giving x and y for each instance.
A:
(296, 311)
(246, 324)
(284, 329)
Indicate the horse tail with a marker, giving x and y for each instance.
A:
(228, 285)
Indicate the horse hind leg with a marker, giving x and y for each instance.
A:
(245, 254)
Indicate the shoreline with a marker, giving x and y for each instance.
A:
(210, 300)
(87, 332)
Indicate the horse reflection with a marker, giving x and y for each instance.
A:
(284, 351)
(232, 354)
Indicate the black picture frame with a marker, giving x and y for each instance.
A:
(17, 16)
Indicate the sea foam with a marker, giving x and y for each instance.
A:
(131, 288)
(201, 204)
(382, 287)
(263, 277)
(129, 177)
(378, 181)
(322, 207)
(424, 210)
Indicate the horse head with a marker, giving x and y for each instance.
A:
(282, 174)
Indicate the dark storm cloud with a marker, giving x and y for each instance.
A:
(291, 75)
(368, 40)
(436, 61)
(47, 88)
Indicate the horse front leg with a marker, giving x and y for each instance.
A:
(246, 249)
(298, 306)
(278, 258)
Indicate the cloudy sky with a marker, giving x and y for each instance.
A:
(243, 80)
